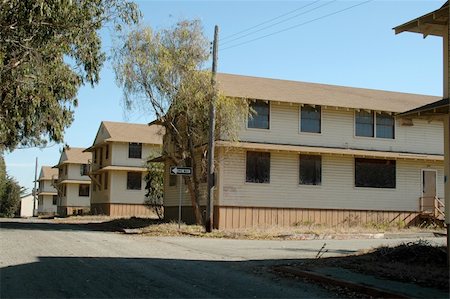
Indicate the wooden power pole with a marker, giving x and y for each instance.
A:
(209, 221)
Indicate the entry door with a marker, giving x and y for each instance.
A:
(428, 189)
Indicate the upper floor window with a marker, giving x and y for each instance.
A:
(259, 114)
(83, 190)
(364, 123)
(84, 169)
(310, 119)
(107, 152)
(258, 167)
(101, 156)
(370, 124)
(385, 126)
(135, 150)
(134, 180)
(310, 170)
(375, 173)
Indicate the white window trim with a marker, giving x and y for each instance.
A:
(300, 121)
(270, 118)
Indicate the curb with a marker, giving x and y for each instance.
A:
(361, 288)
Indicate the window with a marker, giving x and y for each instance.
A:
(259, 114)
(385, 126)
(105, 183)
(101, 156)
(134, 180)
(135, 150)
(258, 167)
(94, 153)
(364, 124)
(84, 169)
(310, 119)
(83, 190)
(64, 191)
(375, 173)
(310, 170)
(54, 200)
(107, 152)
(66, 169)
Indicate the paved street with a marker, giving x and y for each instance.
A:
(63, 260)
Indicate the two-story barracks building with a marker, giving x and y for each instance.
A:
(118, 167)
(324, 154)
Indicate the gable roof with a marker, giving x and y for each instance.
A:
(319, 94)
(74, 155)
(129, 132)
(47, 173)
(436, 109)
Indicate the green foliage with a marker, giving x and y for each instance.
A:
(165, 71)
(2, 174)
(48, 49)
(155, 187)
(10, 198)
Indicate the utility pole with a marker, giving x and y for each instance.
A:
(34, 188)
(212, 124)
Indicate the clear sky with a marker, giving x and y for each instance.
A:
(356, 47)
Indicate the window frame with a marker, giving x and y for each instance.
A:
(246, 163)
(88, 190)
(394, 128)
(371, 187)
(300, 119)
(299, 170)
(270, 114)
(129, 150)
(374, 125)
(128, 181)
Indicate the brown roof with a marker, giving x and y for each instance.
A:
(127, 132)
(47, 172)
(76, 155)
(319, 94)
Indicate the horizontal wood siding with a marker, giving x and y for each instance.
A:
(122, 210)
(337, 190)
(338, 131)
(230, 217)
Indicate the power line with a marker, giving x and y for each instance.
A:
(296, 26)
(282, 21)
(268, 21)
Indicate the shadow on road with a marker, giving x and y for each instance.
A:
(115, 225)
(92, 277)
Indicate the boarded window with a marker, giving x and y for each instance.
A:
(134, 180)
(364, 124)
(310, 170)
(375, 173)
(385, 126)
(259, 114)
(135, 150)
(310, 119)
(83, 190)
(54, 200)
(105, 184)
(258, 167)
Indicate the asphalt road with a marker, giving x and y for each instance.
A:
(62, 260)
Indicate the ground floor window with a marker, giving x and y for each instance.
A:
(54, 199)
(375, 173)
(258, 167)
(83, 190)
(310, 170)
(134, 180)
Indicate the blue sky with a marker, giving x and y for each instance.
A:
(354, 48)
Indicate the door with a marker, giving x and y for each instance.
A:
(428, 190)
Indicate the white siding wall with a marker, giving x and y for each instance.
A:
(47, 205)
(73, 199)
(338, 131)
(119, 154)
(101, 196)
(336, 192)
(46, 186)
(74, 173)
(119, 191)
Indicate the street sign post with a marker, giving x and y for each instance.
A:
(180, 171)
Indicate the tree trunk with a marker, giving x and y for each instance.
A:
(194, 185)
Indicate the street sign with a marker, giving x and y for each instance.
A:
(180, 170)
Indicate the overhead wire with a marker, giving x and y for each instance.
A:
(268, 21)
(296, 26)
(280, 22)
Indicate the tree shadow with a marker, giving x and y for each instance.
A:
(94, 277)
